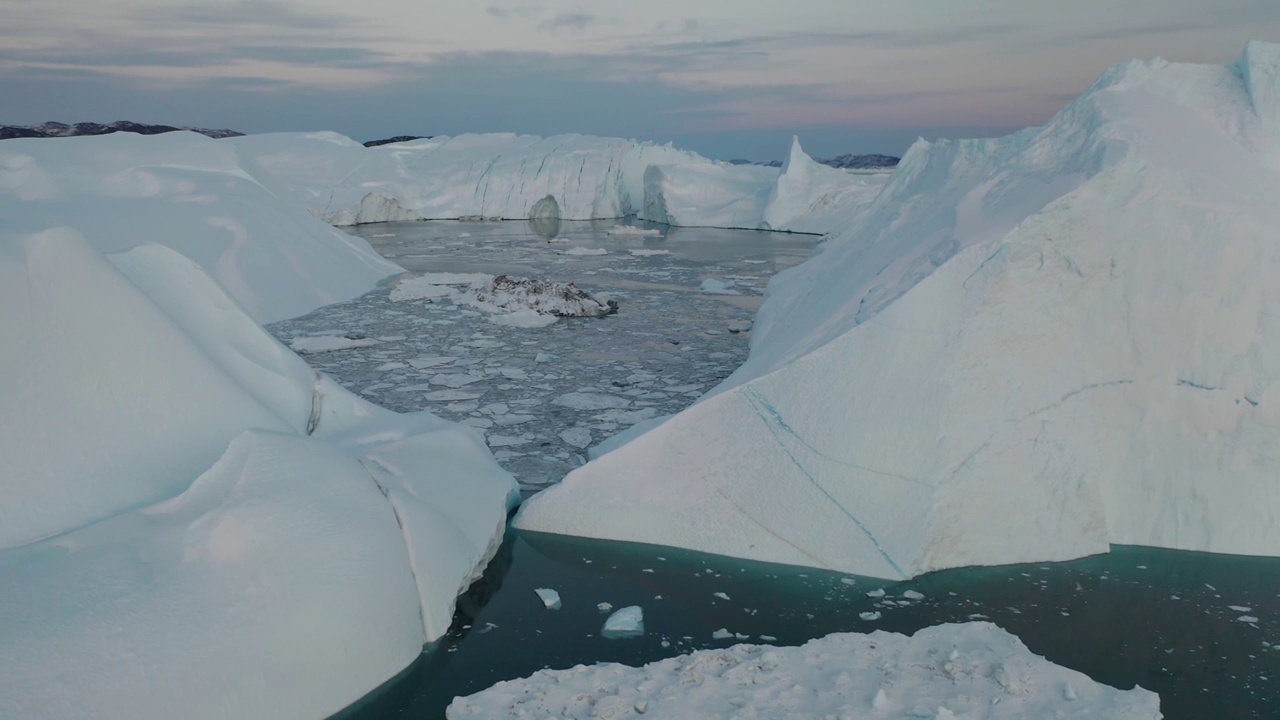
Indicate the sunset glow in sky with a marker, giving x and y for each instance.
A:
(729, 78)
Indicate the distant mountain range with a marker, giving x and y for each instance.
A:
(847, 162)
(57, 129)
(397, 139)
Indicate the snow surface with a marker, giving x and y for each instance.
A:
(1024, 349)
(192, 518)
(974, 670)
(198, 196)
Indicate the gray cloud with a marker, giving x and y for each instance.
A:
(570, 21)
(240, 13)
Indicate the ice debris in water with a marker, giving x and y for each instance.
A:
(504, 294)
(550, 598)
(625, 623)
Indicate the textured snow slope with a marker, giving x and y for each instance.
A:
(198, 196)
(193, 522)
(496, 175)
(1023, 349)
(975, 670)
(814, 198)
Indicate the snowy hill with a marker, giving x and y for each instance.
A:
(201, 197)
(1023, 349)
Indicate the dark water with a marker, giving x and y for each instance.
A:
(1155, 618)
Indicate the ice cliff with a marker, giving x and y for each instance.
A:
(1023, 349)
(574, 177)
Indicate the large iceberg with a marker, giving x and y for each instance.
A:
(948, 671)
(1023, 349)
(570, 177)
(193, 522)
(496, 175)
(198, 196)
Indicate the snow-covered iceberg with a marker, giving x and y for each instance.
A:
(948, 671)
(1023, 349)
(193, 523)
(497, 175)
(198, 196)
(565, 177)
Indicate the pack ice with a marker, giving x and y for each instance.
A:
(194, 523)
(198, 196)
(570, 177)
(947, 671)
(1023, 349)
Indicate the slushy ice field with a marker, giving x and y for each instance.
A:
(1197, 628)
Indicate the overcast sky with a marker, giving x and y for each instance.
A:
(728, 78)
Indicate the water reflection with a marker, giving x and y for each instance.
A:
(1168, 621)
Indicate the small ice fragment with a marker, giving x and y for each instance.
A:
(604, 607)
(740, 636)
(869, 616)
(1240, 608)
(550, 598)
(625, 623)
(578, 437)
(1069, 693)
(878, 593)
(1247, 619)
(721, 634)
(913, 595)
(768, 638)
(641, 706)
(848, 581)
(721, 595)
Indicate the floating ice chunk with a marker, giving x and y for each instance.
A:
(415, 289)
(391, 366)
(585, 251)
(646, 252)
(869, 616)
(711, 286)
(328, 343)
(526, 318)
(877, 593)
(913, 595)
(421, 363)
(451, 395)
(1240, 608)
(632, 230)
(590, 401)
(578, 437)
(506, 441)
(722, 634)
(721, 595)
(544, 357)
(604, 607)
(550, 598)
(625, 623)
(1247, 619)
(455, 380)
(840, 674)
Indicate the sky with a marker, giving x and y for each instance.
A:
(726, 78)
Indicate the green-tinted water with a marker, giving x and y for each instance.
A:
(1156, 618)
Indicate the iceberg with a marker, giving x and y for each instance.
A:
(546, 180)
(1023, 349)
(191, 518)
(201, 197)
(947, 671)
(496, 175)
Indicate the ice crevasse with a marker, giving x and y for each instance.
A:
(1024, 349)
(193, 522)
